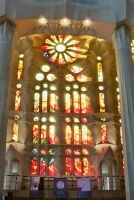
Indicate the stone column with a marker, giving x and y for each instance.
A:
(122, 44)
(7, 32)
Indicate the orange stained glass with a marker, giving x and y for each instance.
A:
(85, 167)
(53, 102)
(42, 166)
(20, 70)
(68, 151)
(67, 103)
(77, 167)
(42, 151)
(77, 135)
(43, 134)
(102, 103)
(83, 78)
(35, 134)
(44, 101)
(53, 138)
(121, 135)
(15, 132)
(17, 100)
(86, 106)
(68, 167)
(36, 102)
(86, 135)
(33, 166)
(103, 133)
(68, 135)
(118, 100)
(76, 102)
(100, 73)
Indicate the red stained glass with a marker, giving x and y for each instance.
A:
(42, 166)
(85, 166)
(77, 152)
(17, 100)
(52, 168)
(103, 133)
(84, 120)
(68, 151)
(33, 166)
(68, 168)
(77, 167)
(35, 134)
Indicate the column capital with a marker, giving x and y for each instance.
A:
(122, 37)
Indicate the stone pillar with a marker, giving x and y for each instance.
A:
(7, 32)
(122, 44)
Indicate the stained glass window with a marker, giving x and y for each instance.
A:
(20, 70)
(36, 102)
(77, 135)
(43, 134)
(52, 168)
(85, 167)
(44, 101)
(67, 103)
(34, 151)
(102, 103)
(53, 102)
(17, 100)
(77, 152)
(103, 133)
(68, 167)
(43, 151)
(34, 166)
(35, 134)
(53, 138)
(118, 100)
(76, 102)
(68, 135)
(15, 132)
(68, 151)
(100, 73)
(86, 135)
(77, 167)
(42, 166)
(121, 135)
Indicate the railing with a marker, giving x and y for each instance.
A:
(17, 182)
